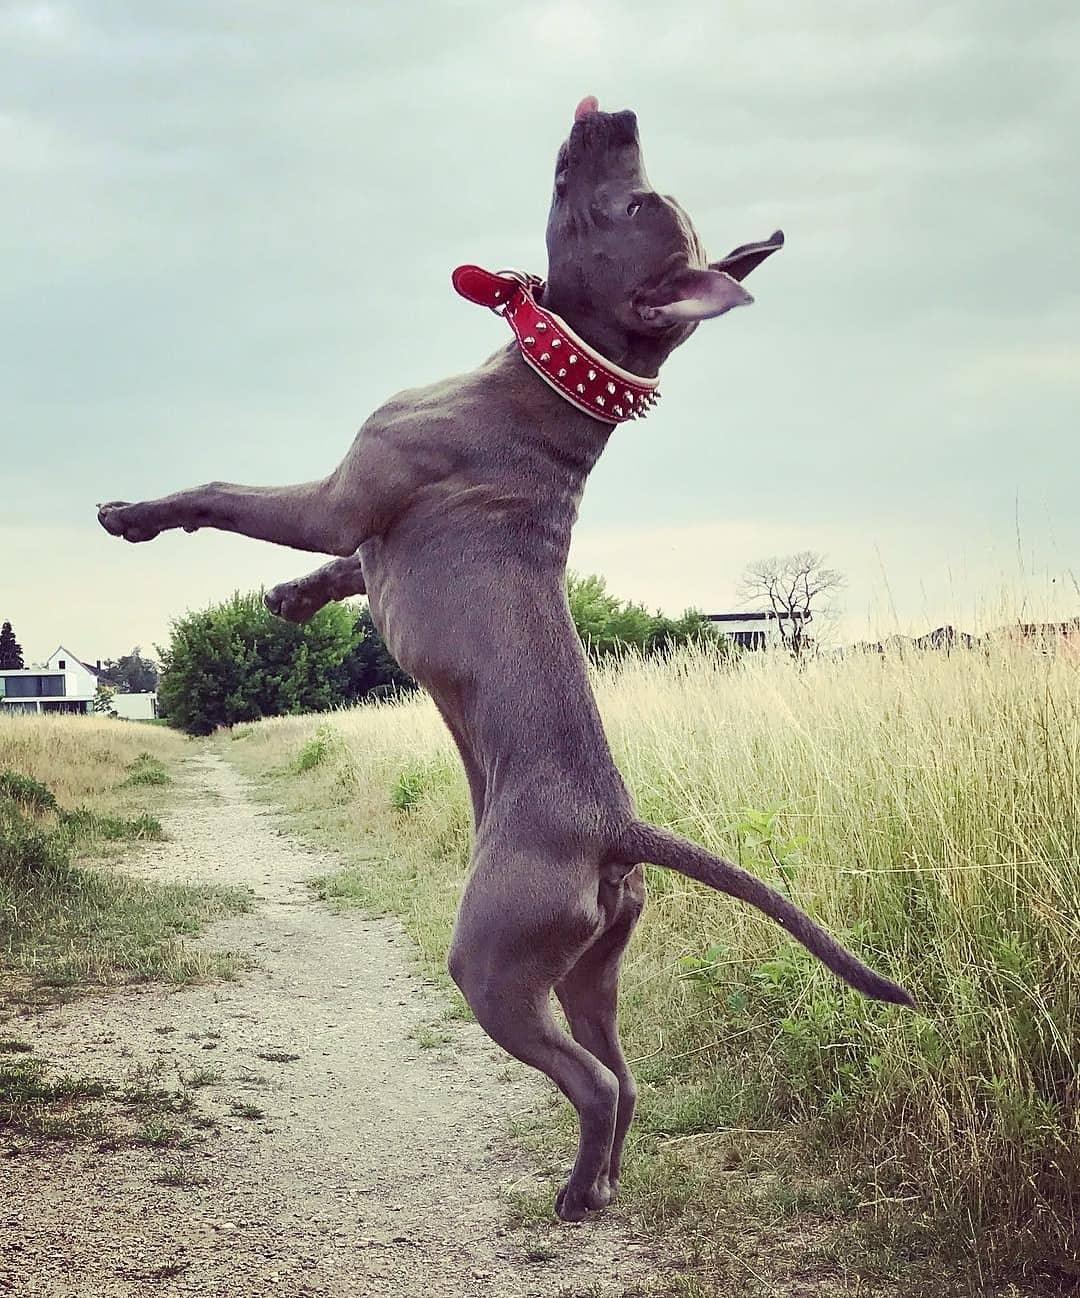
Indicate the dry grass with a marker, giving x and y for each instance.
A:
(86, 760)
(925, 807)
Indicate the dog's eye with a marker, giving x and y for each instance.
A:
(632, 207)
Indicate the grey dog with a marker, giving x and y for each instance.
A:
(452, 511)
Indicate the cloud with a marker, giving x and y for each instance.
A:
(231, 233)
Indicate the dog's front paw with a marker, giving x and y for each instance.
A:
(119, 518)
(291, 602)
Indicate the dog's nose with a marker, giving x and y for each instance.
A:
(624, 127)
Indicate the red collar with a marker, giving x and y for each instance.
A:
(563, 360)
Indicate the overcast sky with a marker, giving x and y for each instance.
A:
(227, 232)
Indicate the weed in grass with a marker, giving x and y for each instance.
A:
(408, 788)
(251, 1111)
(428, 1037)
(147, 769)
(181, 1175)
(540, 1253)
(316, 750)
(532, 1207)
(36, 1102)
(199, 1077)
(278, 1056)
(28, 793)
(156, 1133)
(83, 824)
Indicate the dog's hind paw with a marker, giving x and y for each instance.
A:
(119, 518)
(574, 1204)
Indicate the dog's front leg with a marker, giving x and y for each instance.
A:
(300, 599)
(334, 515)
(311, 516)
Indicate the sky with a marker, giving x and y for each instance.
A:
(227, 232)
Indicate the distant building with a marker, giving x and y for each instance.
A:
(135, 707)
(754, 630)
(64, 683)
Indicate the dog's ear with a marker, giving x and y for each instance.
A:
(742, 260)
(689, 296)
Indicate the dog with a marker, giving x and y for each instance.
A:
(452, 512)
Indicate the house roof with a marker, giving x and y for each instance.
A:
(74, 658)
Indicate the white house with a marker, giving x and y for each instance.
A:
(135, 707)
(757, 630)
(63, 683)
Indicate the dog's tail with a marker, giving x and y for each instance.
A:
(646, 843)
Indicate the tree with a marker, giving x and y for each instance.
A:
(11, 654)
(794, 588)
(131, 673)
(103, 700)
(236, 662)
(609, 625)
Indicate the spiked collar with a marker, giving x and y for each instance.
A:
(565, 362)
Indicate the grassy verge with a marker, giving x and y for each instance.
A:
(75, 794)
(927, 809)
(69, 922)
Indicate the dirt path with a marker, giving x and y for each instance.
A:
(379, 1166)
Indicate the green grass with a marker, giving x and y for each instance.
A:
(39, 1102)
(926, 808)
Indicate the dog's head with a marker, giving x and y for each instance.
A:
(621, 253)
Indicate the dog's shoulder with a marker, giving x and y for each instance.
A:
(454, 406)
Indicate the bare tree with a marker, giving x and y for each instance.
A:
(793, 587)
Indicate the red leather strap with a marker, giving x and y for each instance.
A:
(483, 286)
(565, 362)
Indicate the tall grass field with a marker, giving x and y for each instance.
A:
(924, 806)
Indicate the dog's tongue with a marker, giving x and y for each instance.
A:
(590, 104)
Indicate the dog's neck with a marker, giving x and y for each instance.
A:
(639, 353)
(576, 440)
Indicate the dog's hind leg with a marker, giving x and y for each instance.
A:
(589, 996)
(506, 945)
(301, 598)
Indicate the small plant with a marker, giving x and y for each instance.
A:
(200, 1077)
(278, 1056)
(181, 1176)
(146, 769)
(157, 1134)
(30, 794)
(759, 836)
(409, 788)
(430, 1036)
(316, 750)
(82, 823)
(250, 1111)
